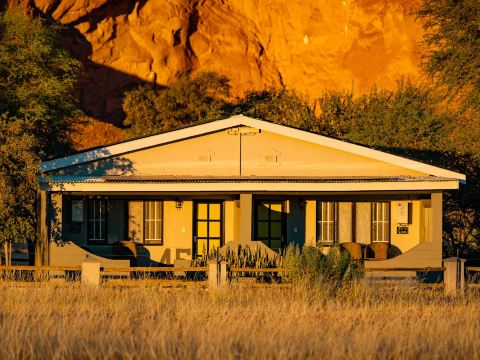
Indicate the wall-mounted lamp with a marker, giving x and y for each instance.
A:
(178, 203)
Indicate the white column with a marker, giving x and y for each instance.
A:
(437, 220)
(91, 274)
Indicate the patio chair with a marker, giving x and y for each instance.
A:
(125, 250)
(354, 249)
(379, 250)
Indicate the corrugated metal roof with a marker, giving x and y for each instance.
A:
(235, 179)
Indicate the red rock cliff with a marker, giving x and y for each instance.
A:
(309, 45)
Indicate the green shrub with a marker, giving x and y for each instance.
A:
(310, 266)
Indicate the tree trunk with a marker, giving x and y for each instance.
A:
(5, 251)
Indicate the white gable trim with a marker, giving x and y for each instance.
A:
(239, 120)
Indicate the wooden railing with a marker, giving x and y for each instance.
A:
(183, 274)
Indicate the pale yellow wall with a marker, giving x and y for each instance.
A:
(407, 241)
(178, 230)
(344, 222)
(229, 210)
(363, 222)
(213, 154)
(177, 233)
(263, 154)
(269, 154)
(135, 220)
(310, 223)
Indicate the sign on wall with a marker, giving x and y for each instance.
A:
(402, 230)
(402, 212)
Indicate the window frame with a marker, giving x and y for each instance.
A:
(282, 222)
(196, 220)
(319, 223)
(153, 241)
(89, 222)
(375, 221)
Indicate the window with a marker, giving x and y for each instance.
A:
(96, 220)
(381, 221)
(327, 222)
(269, 223)
(208, 226)
(153, 222)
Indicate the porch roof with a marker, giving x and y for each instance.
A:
(61, 179)
(174, 184)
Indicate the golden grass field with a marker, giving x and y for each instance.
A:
(144, 321)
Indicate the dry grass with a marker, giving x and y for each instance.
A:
(150, 322)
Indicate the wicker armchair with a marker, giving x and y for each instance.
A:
(354, 249)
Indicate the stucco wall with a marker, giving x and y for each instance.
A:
(178, 225)
(263, 154)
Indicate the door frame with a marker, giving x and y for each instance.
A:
(283, 220)
(195, 220)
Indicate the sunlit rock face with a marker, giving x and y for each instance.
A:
(309, 45)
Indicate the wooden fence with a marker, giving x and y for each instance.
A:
(187, 275)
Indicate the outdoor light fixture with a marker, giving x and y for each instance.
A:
(178, 203)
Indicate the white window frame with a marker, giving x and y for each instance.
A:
(328, 225)
(154, 220)
(97, 223)
(381, 222)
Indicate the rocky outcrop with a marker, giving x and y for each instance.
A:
(309, 45)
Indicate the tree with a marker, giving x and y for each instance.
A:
(37, 80)
(187, 101)
(407, 119)
(453, 47)
(281, 106)
(411, 122)
(37, 112)
(18, 183)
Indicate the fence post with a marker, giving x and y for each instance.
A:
(461, 270)
(223, 274)
(213, 274)
(91, 274)
(454, 275)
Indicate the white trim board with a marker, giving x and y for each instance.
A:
(240, 120)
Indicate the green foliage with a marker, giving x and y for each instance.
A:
(309, 266)
(281, 106)
(242, 257)
(37, 79)
(453, 47)
(187, 101)
(406, 120)
(412, 122)
(18, 182)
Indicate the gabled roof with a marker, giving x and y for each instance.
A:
(240, 120)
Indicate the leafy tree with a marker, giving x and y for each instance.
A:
(187, 101)
(18, 183)
(281, 106)
(453, 43)
(412, 122)
(37, 112)
(37, 79)
(407, 120)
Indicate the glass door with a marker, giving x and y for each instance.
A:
(208, 227)
(270, 223)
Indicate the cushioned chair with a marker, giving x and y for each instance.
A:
(379, 250)
(354, 249)
(125, 250)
